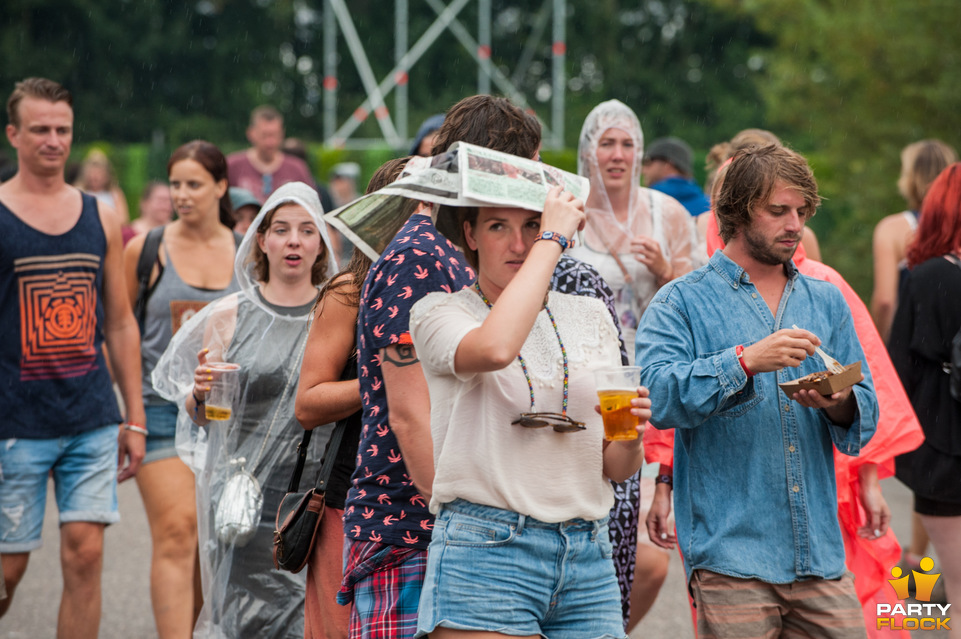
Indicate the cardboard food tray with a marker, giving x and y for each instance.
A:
(828, 386)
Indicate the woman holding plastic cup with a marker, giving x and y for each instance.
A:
(233, 369)
(521, 463)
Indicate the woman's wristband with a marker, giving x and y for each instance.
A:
(136, 428)
(198, 402)
(556, 237)
(664, 479)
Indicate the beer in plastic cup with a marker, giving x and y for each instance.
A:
(616, 387)
(224, 390)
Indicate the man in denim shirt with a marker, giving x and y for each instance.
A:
(755, 498)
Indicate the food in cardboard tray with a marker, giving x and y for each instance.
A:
(814, 377)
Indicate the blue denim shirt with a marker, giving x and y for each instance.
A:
(754, 484)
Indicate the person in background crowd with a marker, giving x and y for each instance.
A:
(426, 134)
(767, 530)
(637, 238)
(194, 265)
(328, 391)
(62, 300)
(264, 167)
(156, 209)
(246, 207)
(668, 167)
(297, 148)
(96, 177)
(926, 323)
(280, 266)
(717, 157)
(343, 183)
(921, 162)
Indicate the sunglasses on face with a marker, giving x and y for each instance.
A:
(560, 423)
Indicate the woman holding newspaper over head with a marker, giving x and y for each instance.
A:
(243, 451)
(515, 487)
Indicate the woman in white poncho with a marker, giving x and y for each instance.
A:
(280, 264)
(637, 238)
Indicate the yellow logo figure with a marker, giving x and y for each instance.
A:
(899, 583)
(923, 583)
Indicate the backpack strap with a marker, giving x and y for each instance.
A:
(149, 255)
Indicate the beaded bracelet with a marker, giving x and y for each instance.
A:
(137, 428)
(557, 237)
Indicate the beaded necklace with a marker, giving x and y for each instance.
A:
(520, 358)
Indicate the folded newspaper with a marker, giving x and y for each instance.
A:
(466, 175)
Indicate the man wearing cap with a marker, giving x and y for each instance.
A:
(666, 167)
(343, 183)
(246, 207)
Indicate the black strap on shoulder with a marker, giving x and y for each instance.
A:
(149, 255)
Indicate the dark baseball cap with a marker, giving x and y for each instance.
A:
(673, 150)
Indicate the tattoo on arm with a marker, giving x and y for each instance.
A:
(401, 355)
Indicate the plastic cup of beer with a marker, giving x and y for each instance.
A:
(224, 390)
(616, 387)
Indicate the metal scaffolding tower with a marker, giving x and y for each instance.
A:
(394, 126)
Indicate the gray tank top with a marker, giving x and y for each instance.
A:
(172, 303)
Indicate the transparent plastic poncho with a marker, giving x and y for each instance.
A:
(649, 213)
(244, 595)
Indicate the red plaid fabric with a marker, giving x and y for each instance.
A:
(383, 582)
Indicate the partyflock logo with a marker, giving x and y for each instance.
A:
(914, 616)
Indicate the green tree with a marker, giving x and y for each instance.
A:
(852, 82)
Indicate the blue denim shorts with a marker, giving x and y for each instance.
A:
(494, 570)
(84, 477)
(162, 429)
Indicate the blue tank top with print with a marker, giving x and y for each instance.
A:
(54, 380)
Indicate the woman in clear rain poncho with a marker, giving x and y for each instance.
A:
(637, 238)
(280, 264)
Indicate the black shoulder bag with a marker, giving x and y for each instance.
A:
(300, 513)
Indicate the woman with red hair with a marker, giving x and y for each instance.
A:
(925, 324)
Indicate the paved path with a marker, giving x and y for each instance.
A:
(126, 601)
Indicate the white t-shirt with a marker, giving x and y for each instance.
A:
(479, 455)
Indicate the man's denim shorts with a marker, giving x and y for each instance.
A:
(494, 570)
(84, 477)
(162, 429)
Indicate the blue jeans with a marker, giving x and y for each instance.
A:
(84, 477)
(494, 570)
(162, 429)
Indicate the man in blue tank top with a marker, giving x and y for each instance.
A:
(62, 295)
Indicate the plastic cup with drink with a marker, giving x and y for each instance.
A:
(224, 390)
(616, 387)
